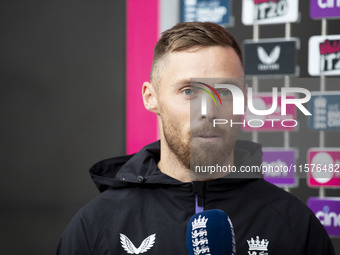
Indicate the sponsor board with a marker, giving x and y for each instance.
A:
(279, 163)
(325, 110)
(324, 9)
(274, 121)
(323, 167)
(216, 11)
(270, 56)
(324, 55)
(327, 210)
(269, 11)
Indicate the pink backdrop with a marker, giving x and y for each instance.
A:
(142, 34)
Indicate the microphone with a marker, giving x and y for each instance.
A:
(210, 233)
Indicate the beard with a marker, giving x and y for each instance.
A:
(178, 142)
(204, 155)
(191, 153)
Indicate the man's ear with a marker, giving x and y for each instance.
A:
(150, 97)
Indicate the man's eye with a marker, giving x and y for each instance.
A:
(225, 93)
(188, 92)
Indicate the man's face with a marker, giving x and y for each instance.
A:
(189, 135)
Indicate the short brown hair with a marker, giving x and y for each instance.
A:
(187, 35)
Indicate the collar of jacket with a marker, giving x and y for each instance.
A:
(141, 169)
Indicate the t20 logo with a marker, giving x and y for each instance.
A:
(267, 9)
(329, 55)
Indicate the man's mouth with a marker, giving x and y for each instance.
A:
(208, 136)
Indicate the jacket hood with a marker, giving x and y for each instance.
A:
(141, 168)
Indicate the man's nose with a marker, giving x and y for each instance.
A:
(213, 110)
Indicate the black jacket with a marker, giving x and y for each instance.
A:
(140, 209)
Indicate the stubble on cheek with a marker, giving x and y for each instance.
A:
(177, 138)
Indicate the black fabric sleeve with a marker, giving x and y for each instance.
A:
(318, 241)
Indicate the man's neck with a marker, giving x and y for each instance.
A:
(170, 165)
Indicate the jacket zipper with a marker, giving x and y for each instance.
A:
(199, 190)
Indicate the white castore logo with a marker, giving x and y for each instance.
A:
(268, 60)
(129, 247)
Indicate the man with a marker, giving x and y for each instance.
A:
(147, 199)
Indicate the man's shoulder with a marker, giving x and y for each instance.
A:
(105, 202)
(271, 194)
(280, 202)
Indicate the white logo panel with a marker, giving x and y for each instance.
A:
(269, 11)
(324, 55)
